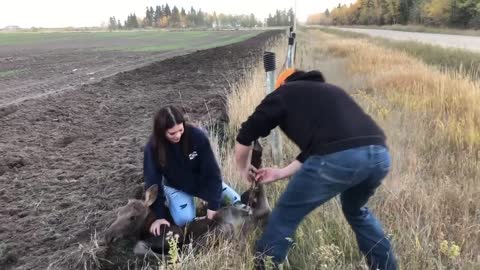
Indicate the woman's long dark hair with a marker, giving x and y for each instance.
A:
(166, 118)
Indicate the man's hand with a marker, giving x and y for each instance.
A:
(155, 227)
(268, 175)
(211, 214)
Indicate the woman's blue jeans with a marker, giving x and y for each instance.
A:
(354, 174)
(182, 205)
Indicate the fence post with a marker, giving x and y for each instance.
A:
(294, 47)
(290, 54)
(275, 139)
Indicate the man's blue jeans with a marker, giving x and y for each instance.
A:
(354, 174)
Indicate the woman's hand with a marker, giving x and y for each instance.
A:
(211, 213)
(155, 227)
(268, 175)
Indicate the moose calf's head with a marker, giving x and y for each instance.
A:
(131, 218)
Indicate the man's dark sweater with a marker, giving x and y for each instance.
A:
(318, 117)
(197, 174)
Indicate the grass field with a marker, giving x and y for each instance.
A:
(171, 40)
(35, 64)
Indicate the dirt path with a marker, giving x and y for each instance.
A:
(67, 160)
(455, 41)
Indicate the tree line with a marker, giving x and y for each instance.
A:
(281, 18)
(162, 16)
(446, 13)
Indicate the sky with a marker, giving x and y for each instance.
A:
(78, 13)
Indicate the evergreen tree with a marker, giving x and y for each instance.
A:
(167, 11)
(175, 18)
(462, 12)
(163, 16)
(148, 18)
(191, 17)
(200, 19)
(112, 24)
(270, 21)
(158, 15)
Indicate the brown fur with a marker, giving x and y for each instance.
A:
(134, 220)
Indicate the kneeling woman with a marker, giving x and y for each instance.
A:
(179, 159)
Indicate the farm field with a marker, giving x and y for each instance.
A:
(37, 64)
(67, 160)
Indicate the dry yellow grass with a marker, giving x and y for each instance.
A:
(450, 98)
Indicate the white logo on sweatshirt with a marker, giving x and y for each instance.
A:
(192, 155)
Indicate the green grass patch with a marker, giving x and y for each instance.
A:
(229, 40)
(158, 48)
(9, 73)
(464, 61)
(150, 34)
(148, 48)
(185, 40)
(145, 41)
(25, 38)
(34, 37)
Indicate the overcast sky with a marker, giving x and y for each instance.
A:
(63, 13)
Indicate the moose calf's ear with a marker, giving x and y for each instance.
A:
(151, 195)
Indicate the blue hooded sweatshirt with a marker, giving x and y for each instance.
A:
(197, 174)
